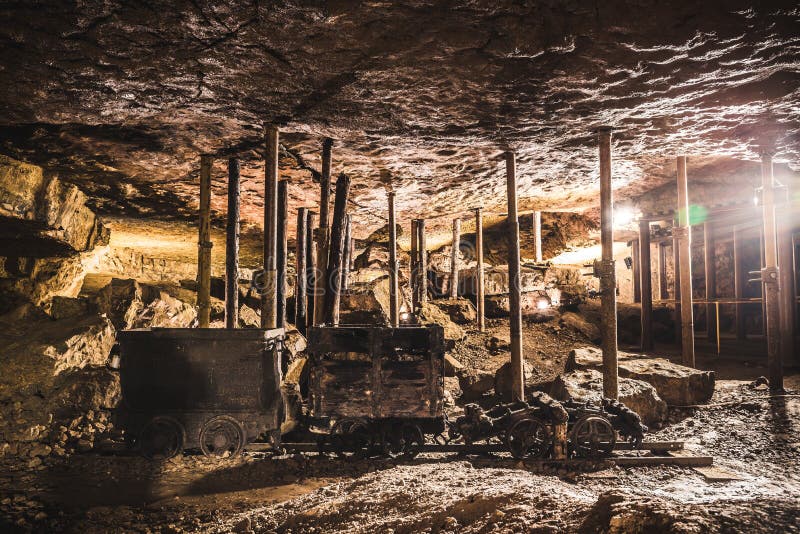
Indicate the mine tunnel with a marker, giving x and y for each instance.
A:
(361, 267)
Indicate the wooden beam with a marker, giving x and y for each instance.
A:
(333, 278)
(269, 295)
(787, 280)
(394, 289)
(323, 233)
(514, 286)
(608, 284)
(204, 244)
(636, 266)
(684, 229)
(479, 289)
(347, 252)
(232, 247)
(414, 278)
(454, 258)
(645, 275)
(770, 276)
(676, 287)
(739, 281)
(537, 234)
(301, 274)
(311, 268)
(710, 266)
(663, 291)
(281, 254)
(423, 261)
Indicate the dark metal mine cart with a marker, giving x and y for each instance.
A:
(377, 387)
(187, 388)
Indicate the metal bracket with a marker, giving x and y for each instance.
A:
(770, 276)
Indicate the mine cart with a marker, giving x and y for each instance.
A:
(376, 388)
(593, 427)
(212, 389)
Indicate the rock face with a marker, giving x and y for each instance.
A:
(461, 311)
(576, 322)
(587, 384)
(42, 216)
(499, 305)
(617, 512)
(430, 313)
(496, 281)
(366, 302)
(676, 384)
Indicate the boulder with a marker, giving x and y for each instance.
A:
(499, 306)
(676, 384)
(366, 302)
(295, 342)
(587, 385)
(120, 301)
(429, 313)
(65, 307)
(460, 310)
(576, 322)
(475, 383)
(533, 381)
(166, 312)
(496, 280)
(248, 317)
(499, 343)
(42, 215)
(452, 366)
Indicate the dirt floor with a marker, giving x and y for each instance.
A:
(753, 438)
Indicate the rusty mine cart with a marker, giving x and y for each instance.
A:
(376, 389)
(189, 388)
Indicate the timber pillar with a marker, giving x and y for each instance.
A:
(454, 258)
(608, 284)
(770, 276)
(646, 284)
(204, 244)
(684, 242)
(232, 247)
(479, 288)
(394, 305)
(269, 294)
(514, 286)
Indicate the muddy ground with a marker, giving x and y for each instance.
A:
(753, 438)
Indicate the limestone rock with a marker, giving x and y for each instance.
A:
(496, 281)
(499, 305)
(460, 310)
(475, 383)
(44, 216)
(65, 307)
(248, 317)
(587, 384)
(576, 322)
(166, 312)
(366, 303)
(676, 384)
(77, 392)
(121, 301)
(533, 381)
(429, 313)
(452, 366)
(295, 342)
(617, 512)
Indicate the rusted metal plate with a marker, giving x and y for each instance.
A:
(376, 372)
(199, 369)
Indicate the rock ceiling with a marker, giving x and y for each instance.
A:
(121, 97)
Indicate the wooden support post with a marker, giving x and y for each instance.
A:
(300, 263)
(232, 247)
(685, 256)
(787, 280)
(394, 306)
(676, 273)
(333, 278)
(346, 256)
(537, 234)
(514, 286)
(711, 279)
(281, 254)
(323, 233)
(454, 258)
(479, 288)
(739, 281)
(770, 276)
(645, 275)
(269, 294)
(204, 244)
(422, 262)
(311, 268)
(414, 278)
(636, 266)
(608, 283)
(663, 291)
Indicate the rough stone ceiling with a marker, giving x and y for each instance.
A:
(121, 97)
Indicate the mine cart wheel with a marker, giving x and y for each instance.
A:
(350, 438)
(412, 439)
(161, 439)
(220, 435)
(593, 436)
(528, 438)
